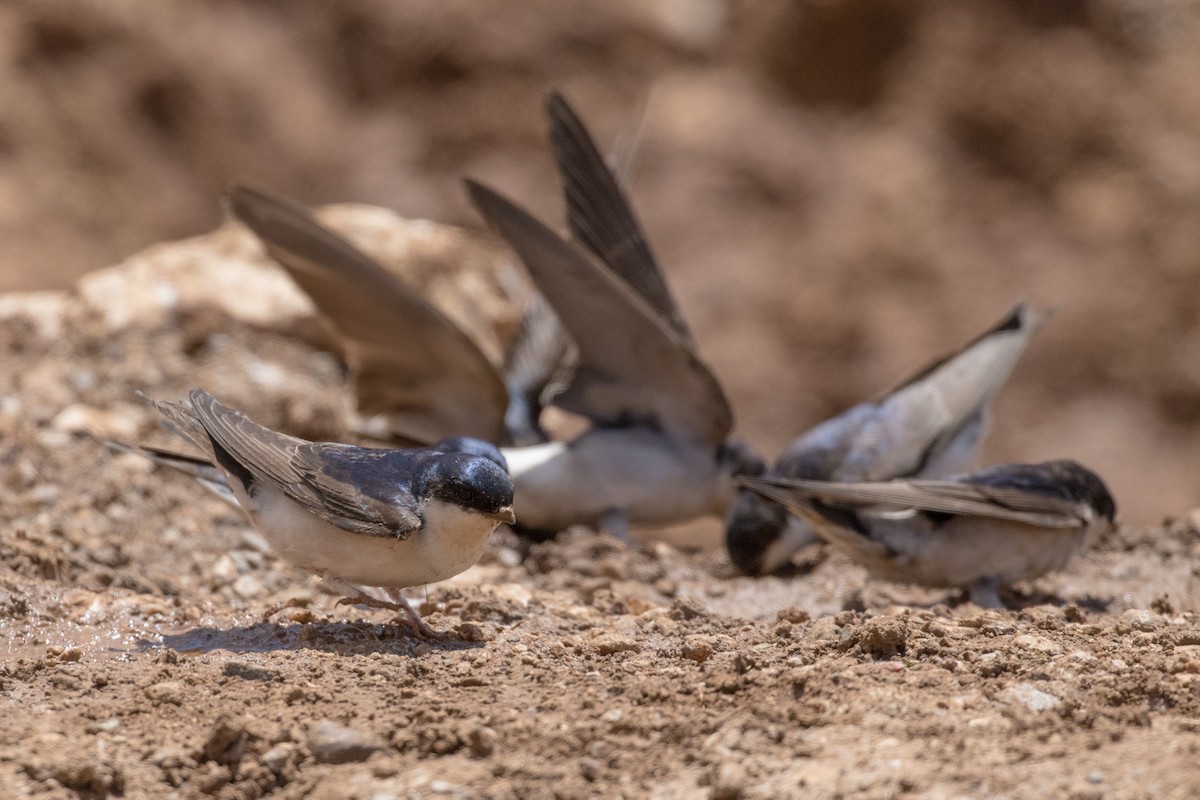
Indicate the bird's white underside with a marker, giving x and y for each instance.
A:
(450, 542)
(652, 477)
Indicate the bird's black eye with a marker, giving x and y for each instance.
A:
(464, 495)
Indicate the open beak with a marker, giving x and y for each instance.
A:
(506, 515)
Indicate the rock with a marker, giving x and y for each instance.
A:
(698, 647)
(1139, 619)
(277, 758)
(884, 637)
(1030, 696)
(609, 643)
(332, 743)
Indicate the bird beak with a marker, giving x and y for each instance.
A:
(505, 514)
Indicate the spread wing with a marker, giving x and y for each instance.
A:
(893, 498)
(411, 363)
(600, 217)
(313, 475)
(633, 366)
(924, 416)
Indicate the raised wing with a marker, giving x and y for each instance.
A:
(537, 366)
(632, 366)
(411, 364)
(600, 217)
(312, 475)
(945, 402)
(947, 497)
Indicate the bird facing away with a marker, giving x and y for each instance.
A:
(929, 426)
(979, 531)
(657, 451)
(355, 516)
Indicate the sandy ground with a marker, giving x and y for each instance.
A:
(838, 191)
(136, 661)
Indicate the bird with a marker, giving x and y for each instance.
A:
(980, 531)
(356, 516)
(930, 426)
(658, 449)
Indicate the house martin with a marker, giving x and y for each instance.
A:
(982, 530)
(659, 449)
(929, 426)
(355, 516)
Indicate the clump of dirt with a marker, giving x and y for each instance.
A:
(137, 663)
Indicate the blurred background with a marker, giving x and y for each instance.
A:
(839, 190)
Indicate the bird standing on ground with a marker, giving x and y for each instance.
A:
(982, 530)
(353, 515)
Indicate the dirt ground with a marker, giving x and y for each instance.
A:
(137, 661)
(838, 190)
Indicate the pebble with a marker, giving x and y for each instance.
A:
(1030, 696)
(276, 759)
(1139, 619)
(609, 643)
(482, 741)
(698, 647)
(332, 743)
(248, 587)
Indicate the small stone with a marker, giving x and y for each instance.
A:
(1030, 696)
(248, 587)
(332, 743)
(881, 638)
(171, 692)
(610, 643)
(276, 759)
(697, 647)
(1139, 619)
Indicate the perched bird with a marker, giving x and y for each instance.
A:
(982, 530)
(657, 451)
(353, 515)
(929, 426)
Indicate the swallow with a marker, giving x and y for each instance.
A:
(929, 426)
(607, 342)
(356, 516)
(979, 531)
(659, 449)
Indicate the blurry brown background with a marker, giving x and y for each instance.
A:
(838, 190)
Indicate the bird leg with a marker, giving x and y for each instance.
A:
(356, 595)
(983, 593)
(418, 625)
(616, 522)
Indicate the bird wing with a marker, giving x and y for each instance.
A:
(537, 366)
(633, 366)
(301, 470)
(893, 498)
(922, 417)
(202, 469)
(410, 362)
(599, 215)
